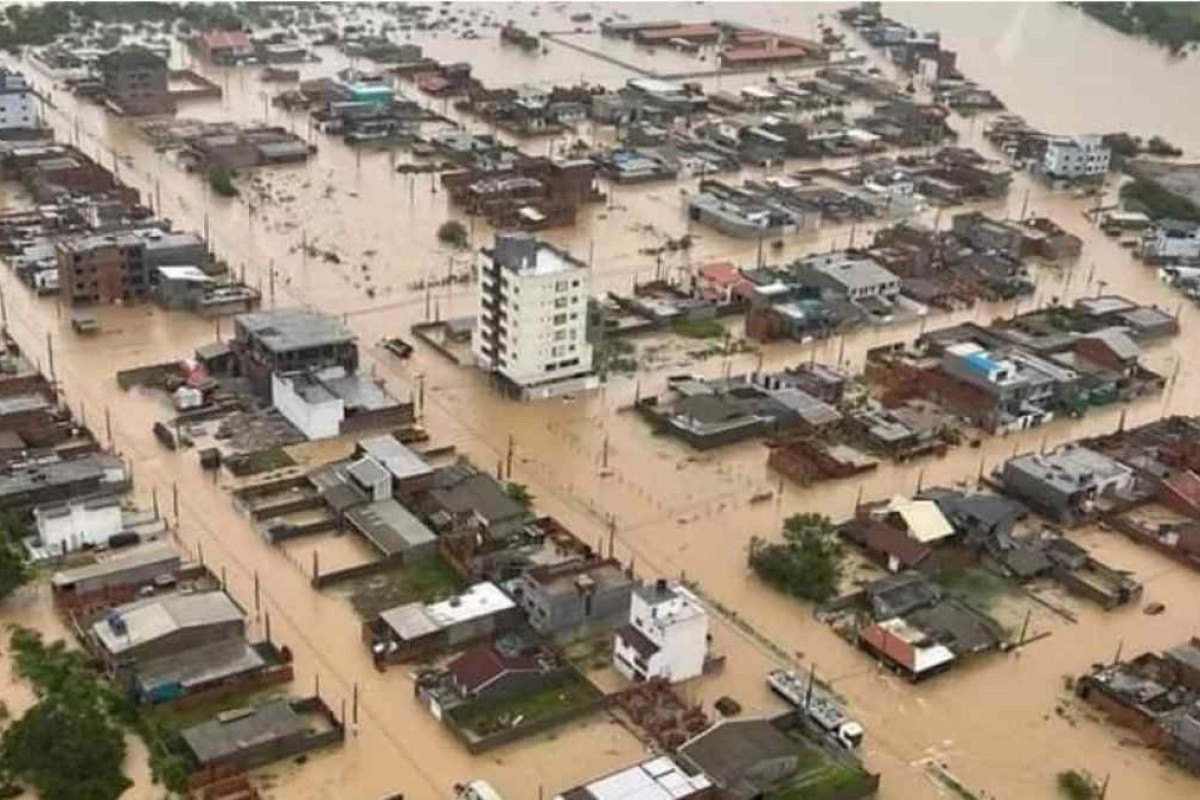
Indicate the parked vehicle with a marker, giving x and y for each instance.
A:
(818, 705)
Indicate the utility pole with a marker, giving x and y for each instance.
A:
(175, 501)
(508, 459)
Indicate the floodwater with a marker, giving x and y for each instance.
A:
(993, 724)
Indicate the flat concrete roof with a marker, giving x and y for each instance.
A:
(285, 329)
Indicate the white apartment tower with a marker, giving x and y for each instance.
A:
(532, 319)
(667, 635)
(1075, 157)
(17, 110)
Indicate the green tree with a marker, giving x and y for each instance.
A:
(70, 744)
(66, 748)
(520, 492)
(806, 564)
(14, 571)
(1077, 785)
(221, 182)
(453, 233)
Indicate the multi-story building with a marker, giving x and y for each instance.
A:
(532, 325)
(16, 103)
(666, 637)
(1075, 157)
(291, 340)
(135, 81)
(576, 597)
(120, 266)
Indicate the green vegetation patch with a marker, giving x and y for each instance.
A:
(483, 719)
(807, 563)
(707, 328)
(424, 581)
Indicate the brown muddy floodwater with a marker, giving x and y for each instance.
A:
(993, 724)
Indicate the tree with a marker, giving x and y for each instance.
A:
(520, 493)
(807, 563)
(1077, 785)
(70, 744)
(221, 182)
(453, 233)
(66, 748)
(14, 572)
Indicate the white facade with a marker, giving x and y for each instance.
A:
(1075, 157)
(532, 314)
(1173, 240)
(317, 413)
(667, 635)
(65, 528)
(16, 102)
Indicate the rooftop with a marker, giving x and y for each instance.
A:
(399, 460)
(134, 624)
(1070, 468)
(416, 620)
(390, 526)
(286, 329)
(660, 778)
(231, 733)
(154, 552)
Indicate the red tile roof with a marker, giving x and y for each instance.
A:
(483, 664)
(225, 40)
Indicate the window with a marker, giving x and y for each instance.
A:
(559, 319)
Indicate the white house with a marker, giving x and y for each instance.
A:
(532, 317)
(72, 526)
(1172, 241)
(17, 110)
(666, 637)
(1075, 157)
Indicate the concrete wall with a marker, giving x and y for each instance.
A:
(320, 420)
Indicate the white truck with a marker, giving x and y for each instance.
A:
(818, 705)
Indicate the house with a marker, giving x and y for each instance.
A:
(485, 673)
(165, 646)
(978, 516)
(576, 597)
(79, 524)
(135, 81)
(192, 289)
(17, 112)
(395, 531)
(1155, 696)
(224, 47)
(1172, 241)
(118, 575)
(413, 630)
(1111, 348)
(28, 484)
(666, 636)
(410, 473)
(290, 340)
(903, 646)
(462, 498)
(331, 401)
(744, 758)
(1067, 483)
(244, 738)
(660, 778)
(1075, 157)
(852, 277)
(922, 520)
(885, 544)
(723, 282)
